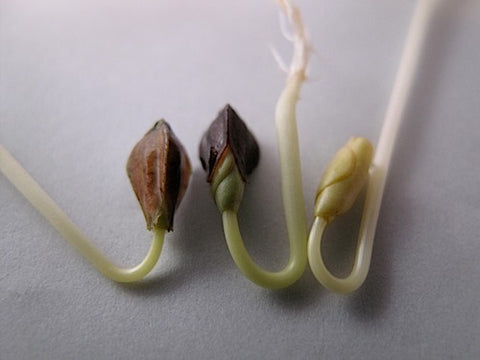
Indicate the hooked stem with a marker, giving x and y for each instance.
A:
(273, 280)
(291, 173)
(360, 266)
(293, 201)
(34, 193)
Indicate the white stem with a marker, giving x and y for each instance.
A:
(403, 83)
(34, 193)
(394, 114)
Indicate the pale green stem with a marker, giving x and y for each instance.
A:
(52, 212)
(272, 280)
(360, 266)
(293, 201)
(380, 164)
(290, 164)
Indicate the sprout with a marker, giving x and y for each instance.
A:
(378, 171)
(159, 170)
(230, 171)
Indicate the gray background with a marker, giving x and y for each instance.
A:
(82, 81)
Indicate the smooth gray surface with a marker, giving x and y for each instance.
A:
(81, 81)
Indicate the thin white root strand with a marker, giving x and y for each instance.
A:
(286, 32)
(302, 50)
(279, 60)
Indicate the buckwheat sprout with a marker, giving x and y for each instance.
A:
(163, 220)
(292, 192)
(379, 169)
(34, 193)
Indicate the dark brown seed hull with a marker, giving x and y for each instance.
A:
(228, 131)
(159, 170)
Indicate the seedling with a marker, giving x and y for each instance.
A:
(227, 177)
(378, 170)
(159, 170)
